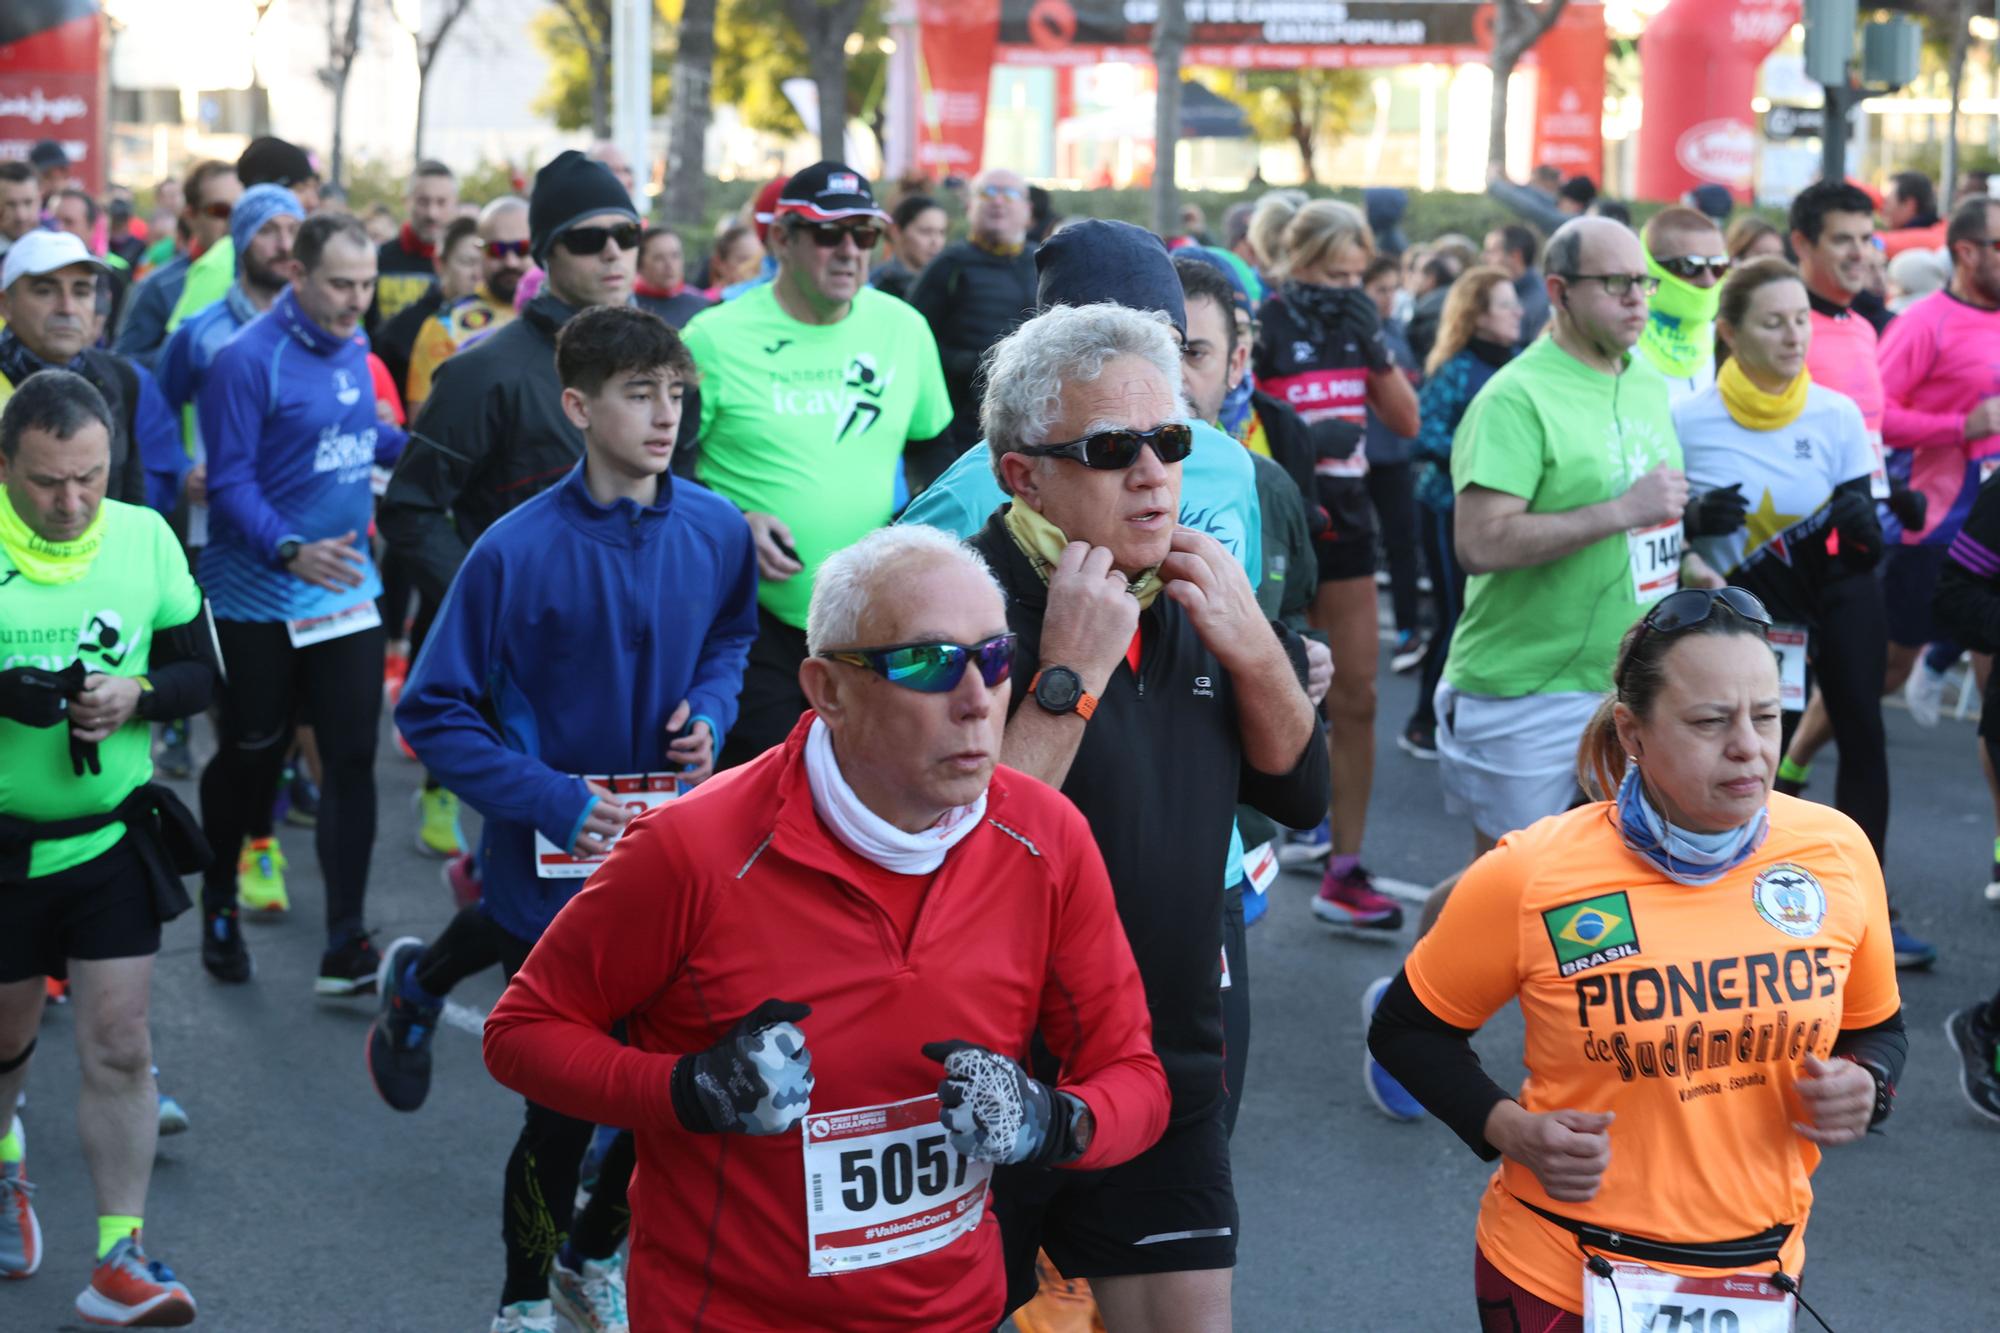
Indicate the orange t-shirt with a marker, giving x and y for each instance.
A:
(1685, 1010)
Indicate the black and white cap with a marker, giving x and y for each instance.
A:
(828, 192)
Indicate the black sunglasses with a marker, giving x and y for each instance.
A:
(1113, 450)
(502, 249)
(827, 235)
(1617, 285)
(933, 668)
(1689, 267)
(591, 240)
(1691, 606)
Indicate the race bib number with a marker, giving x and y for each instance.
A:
(1789, 643)
(338, 625)
(883, 1185)
(1878, 480)
(1647, 1301)
(1656, 561)
(637, 792)
(1260, 866)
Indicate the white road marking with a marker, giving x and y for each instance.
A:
(465, 1018)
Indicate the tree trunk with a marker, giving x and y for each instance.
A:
(688, 116)
(1960, 41)
(825, 26)
(600, 90)
(342, 66)
(1304, 134)
(1517, 26)
(1169, 41)
(427, 54)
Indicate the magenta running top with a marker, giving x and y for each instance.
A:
(1940, 360)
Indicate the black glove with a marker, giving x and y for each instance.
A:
(756, 1080)
(1715, 513)
(82, 755)
(1909, 506)
(993, 1112)
(37, 698)
(1355, 315)
(1860, 531)
(1334, 438)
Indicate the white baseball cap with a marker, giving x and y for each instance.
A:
(44, 251)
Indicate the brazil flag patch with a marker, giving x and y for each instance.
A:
(1591, 933)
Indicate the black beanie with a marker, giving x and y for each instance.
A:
(1093, 261)
(568, 190)
(269, 161)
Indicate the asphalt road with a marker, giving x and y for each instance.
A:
(299, 1203)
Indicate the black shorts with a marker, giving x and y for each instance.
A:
(1909, 580)
(1346, 550)
(770, 702)
(1171, 1209)
(100, 909)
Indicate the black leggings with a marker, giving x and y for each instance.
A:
(1235, 1005)
(1850, 654)
(336, 688)
(1448, 595)
(1393, 492)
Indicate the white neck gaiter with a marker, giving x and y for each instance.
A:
(866, 833)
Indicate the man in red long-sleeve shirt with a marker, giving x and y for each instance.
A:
(820, 1159)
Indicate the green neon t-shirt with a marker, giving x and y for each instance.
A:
(1561, 436)
(208, 280)
(138, 584)
(808, 422)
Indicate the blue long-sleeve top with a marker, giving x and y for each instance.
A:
(287, 415)
(159, 443)
(1441, 403)
(570, 635)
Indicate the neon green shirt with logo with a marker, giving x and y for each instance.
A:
(138, 584)
(1561, 436)
(807, 422)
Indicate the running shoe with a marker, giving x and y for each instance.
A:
(1978, 1048)
(525, 1317)
(173, 1116)
(1419, 739)
(395, 670)
(1351, 905)
(349, 969)
(1993, 886)
(437, 824)
(461, 880)
(1306, 847)
(403, 747)
(1387, 1094)
(128, 1290)
(1924, 693)
(260, 880)
(304, 795)
(20, 1232)
(174, 760)
(1408, 654)
(1911, 952)
(399, 1040)
(56, 989)
(223, 952)
(592, 1297)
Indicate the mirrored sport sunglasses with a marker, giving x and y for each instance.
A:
(933, 668)
(1689, 267)
(591, 240)
(502, 249)
(1112, 450)
(827, 235)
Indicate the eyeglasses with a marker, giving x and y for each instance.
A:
(933, 668)
(1617, 285)
(217, 210)
(827, 235)
(1689, 267)
(1114, 450)
(592, 240)
(1003, 192)
(503, 249)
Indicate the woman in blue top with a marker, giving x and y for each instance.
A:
(1476, 336)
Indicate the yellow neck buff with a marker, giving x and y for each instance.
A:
(43, 561)
(1755, 409)
(1043, 543)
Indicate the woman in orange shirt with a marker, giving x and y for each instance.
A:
(1706, 976)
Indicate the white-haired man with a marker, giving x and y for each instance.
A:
(1150, 712)
(808, 937)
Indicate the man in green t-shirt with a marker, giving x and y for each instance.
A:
(811, 388)
(1570, 496)
(102, 631)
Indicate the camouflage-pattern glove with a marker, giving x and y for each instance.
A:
(756, 1080)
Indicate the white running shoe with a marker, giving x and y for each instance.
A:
(526, 1317)
(1993, 893)
(1924, 693)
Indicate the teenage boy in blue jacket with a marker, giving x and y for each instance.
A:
(585, 661)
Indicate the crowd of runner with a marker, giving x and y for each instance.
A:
(891, 670)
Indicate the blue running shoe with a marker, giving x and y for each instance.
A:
(1911, 952)
(1387, 1094)
(399, 1040)
(1306, 848)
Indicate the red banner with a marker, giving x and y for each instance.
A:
(959, 38)
(1569, 96)
(1700, 60)
(51, 88)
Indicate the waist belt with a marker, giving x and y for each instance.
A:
(1762, 1248)
(164, 833)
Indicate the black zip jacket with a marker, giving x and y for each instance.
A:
(972, 298)
(491, 435)
(1158, 776)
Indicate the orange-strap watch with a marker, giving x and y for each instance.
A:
(1059, 690)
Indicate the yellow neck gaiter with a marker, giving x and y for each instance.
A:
(1043, 543)
(1000, 248)
(1754, 409)
(45, 561)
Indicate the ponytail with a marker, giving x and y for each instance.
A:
(1600, 756)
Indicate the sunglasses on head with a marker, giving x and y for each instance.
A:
(933, 668)
(1689, 267)
(502, 249)
(1112, 450)
(827, 235)
(591, 240)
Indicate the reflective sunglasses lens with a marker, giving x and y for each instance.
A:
(1173, 442)
(1111, 450)
(627, 235)
(928, 668)
(996, 660)
(1745, 604)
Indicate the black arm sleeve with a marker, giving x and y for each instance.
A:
(1967, 601)
(1884, 1045)
(184, 668)
(1297, 799)
(1436, 1064)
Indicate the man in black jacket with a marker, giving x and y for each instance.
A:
(407, 261)
(976, 292)
(1153, 691)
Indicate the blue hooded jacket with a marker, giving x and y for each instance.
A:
(569, 637)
